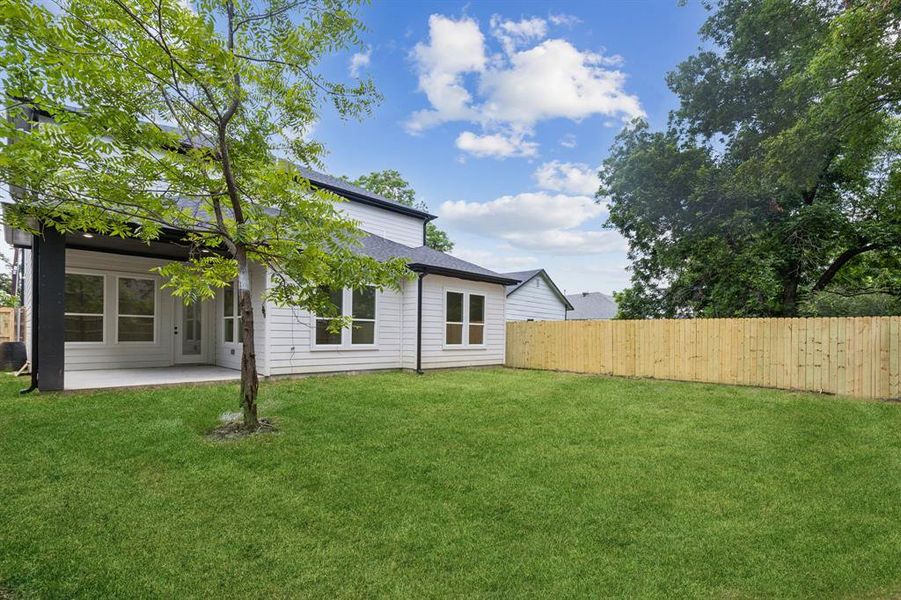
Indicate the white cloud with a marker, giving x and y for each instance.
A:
(568, 141)
(496, 145)
(556, 241)
(564, 20)
(454, 48)
(537, 221)
(496, 262)
(360, 61)
(513, 34)
(571, 178)
(554, 80)
(509, 94)
(529, 211)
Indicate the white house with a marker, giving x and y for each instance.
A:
(93, 304)
(535, 298)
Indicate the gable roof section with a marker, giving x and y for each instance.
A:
(423, 259)
(591, 305)
(527, 276)
(357, 194)
(321, 180)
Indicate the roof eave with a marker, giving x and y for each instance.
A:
(355, 197)
(561, 295)
(433, 270)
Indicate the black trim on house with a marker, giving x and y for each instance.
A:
(355, 197)
(49, 313)
(421, 268)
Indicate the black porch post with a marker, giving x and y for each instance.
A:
(49, 334)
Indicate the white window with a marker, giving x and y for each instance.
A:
(362, 309)
(232, 324)
(136, 309)
(325, 334)
(84, 307)
(360, 306)
(464, 316)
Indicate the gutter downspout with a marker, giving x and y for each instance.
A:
(419, 324)
(35, 300)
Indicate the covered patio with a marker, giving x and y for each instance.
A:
(148, 377)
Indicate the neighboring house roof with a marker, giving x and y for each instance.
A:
(591, 305)
(527, 276)
(423, 259)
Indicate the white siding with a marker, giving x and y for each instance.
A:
(535, 300)
(434, 354)
(291, 336)
(228, 354)
(111, 354)
(403, 229)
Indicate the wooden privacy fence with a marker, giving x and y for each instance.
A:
(859, 356)
(7, 324)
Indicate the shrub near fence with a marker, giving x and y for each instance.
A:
(858, 356)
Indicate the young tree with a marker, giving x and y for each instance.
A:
(392, 185)
(188, 118)
(780, 168)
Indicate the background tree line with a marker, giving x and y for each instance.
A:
(775, 189)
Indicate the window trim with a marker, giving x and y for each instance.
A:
(103, 341)
(235, 318)
(346, 332)
(465, 345)
(155, 317)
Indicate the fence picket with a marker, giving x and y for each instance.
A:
(858, 356)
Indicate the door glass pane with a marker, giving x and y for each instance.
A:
(454, 307)
(84, 293)
(84, 329)
(228, 302)
(135, 329)
(364, 303)
(190, 341)
(476, 308)
(136, 296)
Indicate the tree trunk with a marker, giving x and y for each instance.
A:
(843, 259)
(790, 291)
(250, 382)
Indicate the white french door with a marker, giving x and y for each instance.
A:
(189, 333)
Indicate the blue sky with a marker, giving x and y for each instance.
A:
(499, 113)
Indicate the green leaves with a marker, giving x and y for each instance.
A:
(781, 159)
(136, 117)
(390, 184)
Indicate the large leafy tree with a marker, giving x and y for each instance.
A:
(392, 185)
(192, 118)
(778, 176)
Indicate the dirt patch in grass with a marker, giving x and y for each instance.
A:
(235, 430)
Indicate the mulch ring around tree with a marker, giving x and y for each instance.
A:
(234, 430)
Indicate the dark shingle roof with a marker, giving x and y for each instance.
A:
(591, 305)
(526, 276)
(427, 260)
(353, 192)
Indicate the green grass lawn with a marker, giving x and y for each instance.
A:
(469, 483)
